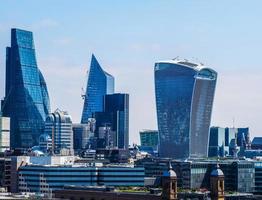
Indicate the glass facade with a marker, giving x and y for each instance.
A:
(26, 99)
(149, 138)
(258, 177)
(99, 84)
(57, 177)
(184, 97)
(116, 116)
(118, 104)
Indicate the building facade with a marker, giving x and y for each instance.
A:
(257, 143)
(118, 105)
(149, 138)
(26, 98)
(58, 125)
(216, 142)
(4, 134)
(99, 84)
(193, 174)
(184, 99)
(83, 134)
(258, 177)
(223, 141)
(115, 121)
(57, 177)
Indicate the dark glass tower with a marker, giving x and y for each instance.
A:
(115, 116)
(26, 97)
(184, 100)
(118, 104)
(99, 84)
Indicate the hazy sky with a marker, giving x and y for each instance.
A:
(127, 37)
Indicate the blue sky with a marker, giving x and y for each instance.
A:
(127, 37)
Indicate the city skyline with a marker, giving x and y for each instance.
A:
(230, 43)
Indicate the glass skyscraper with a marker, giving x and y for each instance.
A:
(184, 99)
(115, 116)
(118, 104)
(99, 84)
(26, 97)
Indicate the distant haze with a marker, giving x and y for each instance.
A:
(127, 37)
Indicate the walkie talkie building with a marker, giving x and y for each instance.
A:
(184, 98)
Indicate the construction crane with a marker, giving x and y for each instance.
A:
(83, 92)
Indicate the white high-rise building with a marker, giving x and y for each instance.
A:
(58, 126)
(4, 133)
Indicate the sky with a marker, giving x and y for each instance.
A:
(128, 37)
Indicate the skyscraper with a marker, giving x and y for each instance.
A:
(99, 84)
(118, 104)
(184, 98)
(115, 116)
(26, 98)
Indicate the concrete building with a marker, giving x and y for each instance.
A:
(4, 134)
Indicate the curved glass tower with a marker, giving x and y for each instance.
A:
(184, 98)
(99, 84)
(26, 98)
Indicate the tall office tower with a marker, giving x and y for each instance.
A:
(82, 134)
(118, 105)
(58, 125)
(116, 117)
(149, 138)
(184, 98)
(217, 145)
(26, 98)
(99, 84)
(4, 133)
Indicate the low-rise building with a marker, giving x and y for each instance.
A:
(194, 174)
(54, 177)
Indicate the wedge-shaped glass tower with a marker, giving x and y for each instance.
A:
(26, 97)
(99, 84)
(184, 99)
